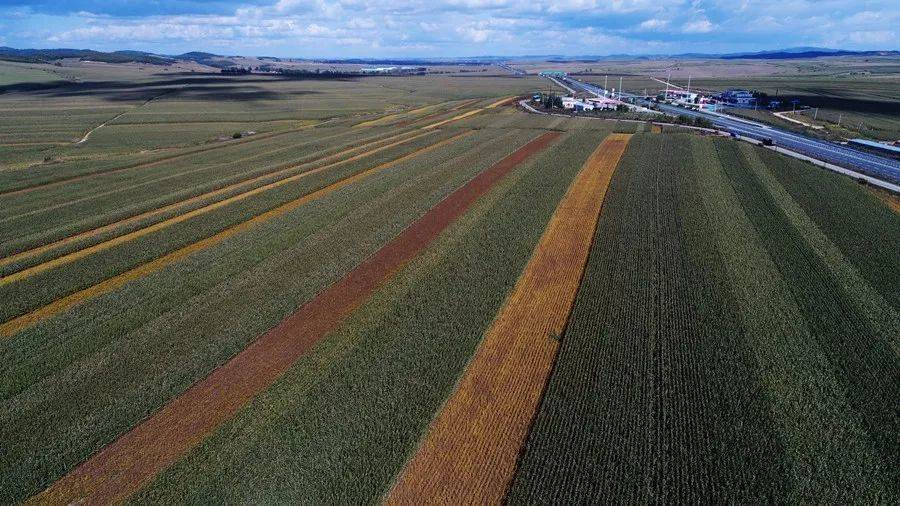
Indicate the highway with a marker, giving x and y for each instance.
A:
(876, 166)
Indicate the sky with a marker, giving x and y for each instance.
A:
(448, 28)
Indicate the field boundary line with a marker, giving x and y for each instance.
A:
(278, 171)
(28, 319)
(471, 449)
(133, 460)
(96, 248)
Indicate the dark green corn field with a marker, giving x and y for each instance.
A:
(735, 338)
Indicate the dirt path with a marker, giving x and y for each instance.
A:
(784, 116)
(151, 163)
(133, 460)
(470, 452)
(368, 148)
(123, 113)
(26, 320)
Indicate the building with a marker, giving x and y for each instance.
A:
(603, 104)
(378, 70)
(878, 148)
(578, 105)
(552, 73)
(680, 96)
(738, 98)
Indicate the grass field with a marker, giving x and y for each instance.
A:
(290, 315)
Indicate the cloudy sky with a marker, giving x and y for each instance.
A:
(392, 28)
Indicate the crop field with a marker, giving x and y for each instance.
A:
(765, 336)
(396, 289)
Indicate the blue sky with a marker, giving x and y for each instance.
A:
(392, 28)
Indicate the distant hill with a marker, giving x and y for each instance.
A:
(222, 62)
(51, 55)
(208, 59)
(777, 54)
(798, 53)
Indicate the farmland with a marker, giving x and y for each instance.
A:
(262, 289)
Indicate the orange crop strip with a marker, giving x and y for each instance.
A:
(133, 460)
(26, 320)
(470, 452)
(90, 250)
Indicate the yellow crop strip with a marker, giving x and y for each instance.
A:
(470, 452)
(176, 205)
(455, 118)
(467, 114)
(500, 102)
(386, 119)
(24, 321)
(77, 255)
(92, 196)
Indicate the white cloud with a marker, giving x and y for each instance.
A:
(461, 27)
(879, 37)
(698, 26)
(472, 34)
(654, 24)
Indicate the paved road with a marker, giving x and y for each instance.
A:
(882, 168)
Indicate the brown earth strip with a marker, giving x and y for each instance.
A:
(890, 199)
(470, 452)
(132, 461)
(281, 170)
(26, 320)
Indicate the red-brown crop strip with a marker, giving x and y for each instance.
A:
(132, 461)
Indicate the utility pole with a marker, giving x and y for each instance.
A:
(605, 83)
(669, 76)
(816, 115)
(689, 83)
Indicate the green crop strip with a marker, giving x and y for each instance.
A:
(655, 393)
(116, 358)
(355, 409)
